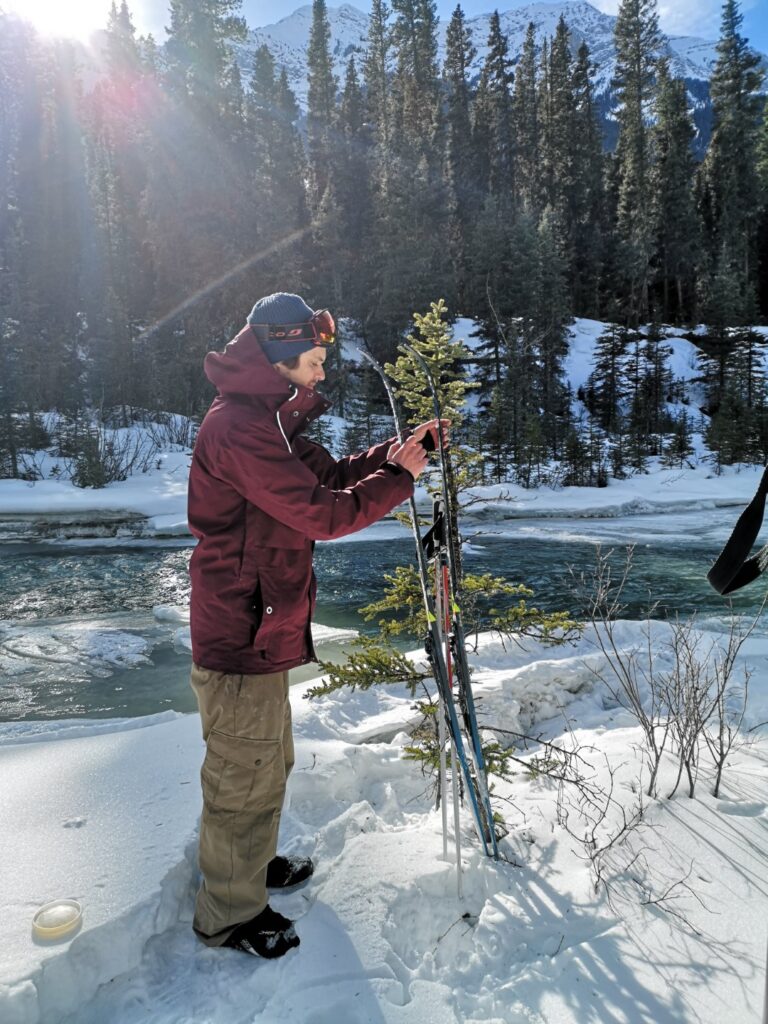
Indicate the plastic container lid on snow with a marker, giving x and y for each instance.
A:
(57, 918)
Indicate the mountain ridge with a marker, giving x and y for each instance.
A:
(691, 57)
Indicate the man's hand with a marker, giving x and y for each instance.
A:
(410, 455)
(431, 428)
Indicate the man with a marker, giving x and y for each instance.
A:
(260, 495)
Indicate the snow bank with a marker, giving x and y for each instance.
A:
(107, 812)
(107, 818)
(660, 491)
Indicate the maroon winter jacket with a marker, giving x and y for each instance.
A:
(260, 495)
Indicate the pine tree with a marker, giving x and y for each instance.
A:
(461, 169)
(730, 432)
(122, 48)
(676, 226)
(291, 150)
(716, 348)
(557, 136)
(637, 42)
(352, 180)
(576, 463)
(53, 199)
(199, 235)
(415, 84)
(679, 446)
(199, 50)
(321, 104)
(433, 341)
(531, 454)
(550, 318)
(12, 246)
(588, 219)
(605, 386)
(376, 73)
(746, 367)
(365, 423)
(729, 186)
(493, 127)
(507, 394)
(658, 384)
(275, 172)
(647, 385)
(762, 231)
(22, 310)
(120, 277)
(526, 127)
(412, 214)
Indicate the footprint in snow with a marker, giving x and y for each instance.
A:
(75, 822)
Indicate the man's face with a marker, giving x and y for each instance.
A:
(309, 371)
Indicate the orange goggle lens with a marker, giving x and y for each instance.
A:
(320, 330)
(325, 326)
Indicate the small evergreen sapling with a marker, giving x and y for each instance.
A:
(400, 611)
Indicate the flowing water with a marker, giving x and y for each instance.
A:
(81, 633)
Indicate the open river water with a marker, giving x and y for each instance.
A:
(78, 635)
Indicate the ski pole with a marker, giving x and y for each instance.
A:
(433, 644)
(442, 740)
(441, 614)
(457, 629)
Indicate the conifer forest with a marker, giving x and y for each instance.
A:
(144, 210)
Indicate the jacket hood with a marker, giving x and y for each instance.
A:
(243, 369)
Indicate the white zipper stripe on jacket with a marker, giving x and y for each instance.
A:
(280, 425)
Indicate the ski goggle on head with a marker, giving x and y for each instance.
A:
(320, 330)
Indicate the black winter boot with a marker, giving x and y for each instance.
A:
(285, 872)
(269, 934)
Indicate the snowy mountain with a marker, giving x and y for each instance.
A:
(288, 39)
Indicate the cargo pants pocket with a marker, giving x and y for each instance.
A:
(239, 773)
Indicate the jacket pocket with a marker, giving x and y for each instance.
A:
(284, 598)
(238, 772)
(256, 609)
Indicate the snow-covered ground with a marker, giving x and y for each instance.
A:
(107, 813)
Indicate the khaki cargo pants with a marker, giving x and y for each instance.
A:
(247, 728)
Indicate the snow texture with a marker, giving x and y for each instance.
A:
(107, 813)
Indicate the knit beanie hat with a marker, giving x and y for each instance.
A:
(282, 308)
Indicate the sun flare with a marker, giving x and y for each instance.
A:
(75, 20)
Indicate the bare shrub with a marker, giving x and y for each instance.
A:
(170, 430)
(106, 456)
(696, 703)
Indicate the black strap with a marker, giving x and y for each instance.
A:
(434, 539)
(733, 568)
